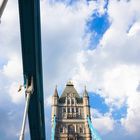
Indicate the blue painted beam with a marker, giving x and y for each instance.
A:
(29, 13)
(53, 128)
(95, 135)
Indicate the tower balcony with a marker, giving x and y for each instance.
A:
(71, 116)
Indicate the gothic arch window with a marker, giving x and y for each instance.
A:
(71, 129)
(68, 101)
(72, 110)
(64, 110)
(68, 110)
(76, 110)
(81, 130)
(72, 101)
(79, 111)
(61, 129)
(71, 138)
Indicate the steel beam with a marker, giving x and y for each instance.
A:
(95, 135)
(2, 7)
(29, 13)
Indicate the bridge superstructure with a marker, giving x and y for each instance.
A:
(29, 14)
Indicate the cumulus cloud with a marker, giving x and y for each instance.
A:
(13, 68)
(10, 51)
(10, 73)
(63, 38)
(132, 121)
(135, 29)
(102, 122)
(113, 66)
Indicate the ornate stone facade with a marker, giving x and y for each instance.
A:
(71, 112)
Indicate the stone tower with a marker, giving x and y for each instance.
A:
(71, 112)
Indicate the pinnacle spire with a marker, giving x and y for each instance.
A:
(85, 94)
(55, 92)
(69, 83)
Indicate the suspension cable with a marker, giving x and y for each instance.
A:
(53, 128)
(95, 135)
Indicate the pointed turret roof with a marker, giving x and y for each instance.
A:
(55, 92)
(85, 94)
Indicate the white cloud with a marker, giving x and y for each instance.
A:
(124, 79)
(100, 6)
(63, 38)
(113, 66)
(102, 122)
(10, 53)
(135, 29)
(48, 101)
(13, 68)
(132, 120)
(16, 97)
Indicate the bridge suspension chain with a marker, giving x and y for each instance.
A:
(53, 128)
(95, 134)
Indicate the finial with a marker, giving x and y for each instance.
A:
(69, 83)
(55, 92)
(85, 91)
(85, 87)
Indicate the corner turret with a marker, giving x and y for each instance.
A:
(55, 99)
(86, 103)
(85, 94)
(55, 92)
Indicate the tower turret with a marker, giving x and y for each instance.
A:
(71, 112)
(86, 103)
(55, 99)
(86, 108)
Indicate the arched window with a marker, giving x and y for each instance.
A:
(64, 110)
(61, 129)
(68, 110)
(81, 130)
(72, 110)
(68, 101)
(72, 101)
(71, 129)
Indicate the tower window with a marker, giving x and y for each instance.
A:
(77, 110)
(81, 130)
(68, 110)
(68, 101)
(64, 110)
(72, 101)
(72, 110)
(61, 129)
(71, 129)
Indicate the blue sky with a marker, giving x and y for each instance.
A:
(94, 43)
(98, 25)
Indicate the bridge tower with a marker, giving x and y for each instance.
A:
(71, 111)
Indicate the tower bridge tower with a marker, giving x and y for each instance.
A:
(71, 111)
